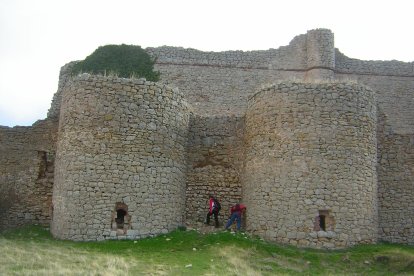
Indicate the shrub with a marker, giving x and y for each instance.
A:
(122, 60)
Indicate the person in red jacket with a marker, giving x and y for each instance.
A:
(214, 208)
(236, 215)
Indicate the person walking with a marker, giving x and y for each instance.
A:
(214, 209)
(236, 215)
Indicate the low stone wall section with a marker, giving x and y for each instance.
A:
(395, 185)
(215, 151)
(344, 64)
(310, 167)
(395, 97)
(121, 162)
(292, 56)
(218, 90)
(26, 173)
(222, 82)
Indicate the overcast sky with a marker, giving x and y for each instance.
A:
(37, 37)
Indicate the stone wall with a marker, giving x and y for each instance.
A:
(293, 56)
(64, 76)
(26, 173)
(218, 90)
(221, 82)
(120, 162)
(309, 176)
(395, 150)
(344, 64)
(215, 151)
(115, 156)
(395, 96)
(307, 51)
(395, 185)
(320, 54)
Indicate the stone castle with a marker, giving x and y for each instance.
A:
(319, 147)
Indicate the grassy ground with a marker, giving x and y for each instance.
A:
(32, 251)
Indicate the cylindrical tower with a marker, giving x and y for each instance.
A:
(120, 164)
(309, 175)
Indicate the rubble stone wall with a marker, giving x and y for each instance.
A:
(121, 148)
(215, 152)
(217, 90)
(311, 153)
(109, 124)
(344, 64)
(395, 185)
(395, 96)
(221, 82)
(64, 77)
(395, 152)
(26, 174)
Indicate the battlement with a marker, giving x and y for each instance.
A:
(305, 52)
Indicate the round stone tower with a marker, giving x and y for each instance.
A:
(309, 175)
(120, 163)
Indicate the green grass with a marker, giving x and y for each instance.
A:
(32, 251)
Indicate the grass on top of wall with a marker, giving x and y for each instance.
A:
(32, 251)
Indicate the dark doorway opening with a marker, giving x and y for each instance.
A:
(120, 218)
(322, 222)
